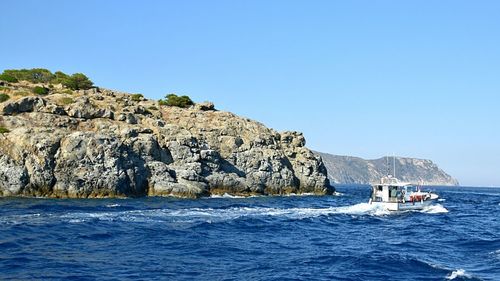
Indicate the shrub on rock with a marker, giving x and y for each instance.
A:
(60, 77)
(35, 75)
(136, 97)
(8, 78)
(78, 81)
(179, 101)
(42, 91)
(4, 97)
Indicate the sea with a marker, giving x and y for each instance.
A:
(337, 237)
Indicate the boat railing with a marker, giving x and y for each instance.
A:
(389, 180)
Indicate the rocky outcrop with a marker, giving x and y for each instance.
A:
(101, 143)
(355, 170)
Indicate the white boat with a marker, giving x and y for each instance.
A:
(394, 195)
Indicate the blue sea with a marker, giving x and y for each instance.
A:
(259, 238)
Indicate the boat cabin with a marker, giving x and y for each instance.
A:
(391, 190)
(400, 196)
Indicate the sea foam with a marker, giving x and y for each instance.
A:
(458, 273)
(435, 209)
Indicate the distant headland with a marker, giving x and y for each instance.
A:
(355, 170)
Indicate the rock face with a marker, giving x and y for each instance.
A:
(101, 143)
(354, 170)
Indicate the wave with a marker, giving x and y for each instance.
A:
(211, 215)
(495, 254)
(208, 214)
(292, 213)
(227, 195)
(196, 214)
(434, 209)
(112, 205)
(457, 274)
(363, 209)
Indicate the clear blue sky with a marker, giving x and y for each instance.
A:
(363, 78)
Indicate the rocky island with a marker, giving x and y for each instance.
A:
(62, 137)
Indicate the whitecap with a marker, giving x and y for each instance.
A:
(24, 218)
(435, 209)
(458, 273)
(227, 195)
(496, 254)
(299, 195)
(441, 200)
(83, 217)
(112, 205)
(364, 209)
(293, 213)
(213, 215)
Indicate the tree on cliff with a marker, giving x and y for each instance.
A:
(175, 100)
(78, 81)
(60, 77)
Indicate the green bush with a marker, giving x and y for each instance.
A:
(35, 75)
(174, 100)
(78, 81)
(3, 130)
(41, 91)
(60, 77)
(153, 107)
(136, 97)
(8, 78)
(4, 97)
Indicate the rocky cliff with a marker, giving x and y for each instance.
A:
(347, 169)
(103, 143)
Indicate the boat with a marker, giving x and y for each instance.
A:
(394, 195)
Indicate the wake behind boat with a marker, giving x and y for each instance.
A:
(394, 195)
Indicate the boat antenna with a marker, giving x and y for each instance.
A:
(394, 164)
(387, 165)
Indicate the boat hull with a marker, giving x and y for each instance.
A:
(406, 206)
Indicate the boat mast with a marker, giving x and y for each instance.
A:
(387, 166)
(394, 164)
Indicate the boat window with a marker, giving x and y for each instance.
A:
(394, 192)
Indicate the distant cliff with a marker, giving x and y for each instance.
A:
(348, 169)
(56, 141)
